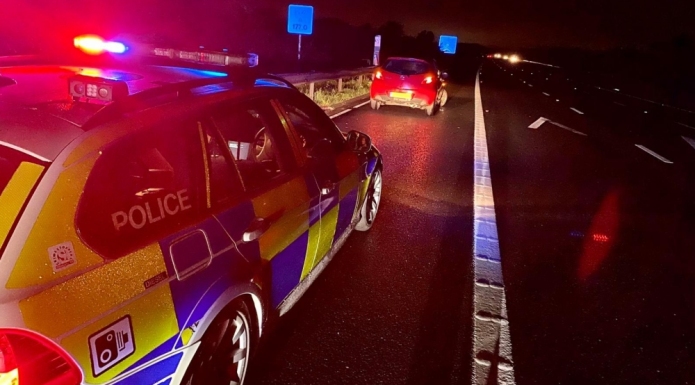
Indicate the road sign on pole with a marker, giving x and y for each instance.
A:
(447, 44)
(300, 19)
(377, 48)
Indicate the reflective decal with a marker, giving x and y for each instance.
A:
(111, 345)
(62, 256)
(140, 215)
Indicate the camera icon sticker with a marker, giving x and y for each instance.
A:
(111, 345)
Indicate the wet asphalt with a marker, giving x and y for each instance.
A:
(394, 305)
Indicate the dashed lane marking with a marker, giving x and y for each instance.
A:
(491, 341)
(546, 94)
(652, 153)
(576, 110)
(690, 141)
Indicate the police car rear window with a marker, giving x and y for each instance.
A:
(406, 67)
(142, 189)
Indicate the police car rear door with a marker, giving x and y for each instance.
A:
(271, 223)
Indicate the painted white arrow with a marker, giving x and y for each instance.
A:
(535, 125)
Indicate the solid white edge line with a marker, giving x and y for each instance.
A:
(652, 153)
(488, 336)
(24, 151)
(576, 110)
(348, 110)
(685, 125)
(340, 113)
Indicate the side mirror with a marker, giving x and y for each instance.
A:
(445, 76)
(358, 142)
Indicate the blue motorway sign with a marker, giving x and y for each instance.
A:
(447, 44)
(300, 19)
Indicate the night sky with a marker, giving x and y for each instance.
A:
(508, 23)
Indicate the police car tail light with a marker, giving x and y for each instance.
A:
(95, 45)
(208, 57)
(83, 87)
(27, 358)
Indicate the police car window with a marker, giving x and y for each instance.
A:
(253, 144)
(225, 181)
(141, 189)
(310, 125)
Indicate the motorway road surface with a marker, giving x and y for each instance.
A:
(393, 307)
(596, 241)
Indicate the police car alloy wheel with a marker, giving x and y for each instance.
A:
(371, 202)
(224, 353)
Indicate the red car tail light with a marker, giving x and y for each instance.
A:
(428, 79)
(378, 75)
(27, 358)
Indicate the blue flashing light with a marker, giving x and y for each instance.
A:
(115, 47)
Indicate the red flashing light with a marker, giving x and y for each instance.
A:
(95, 45)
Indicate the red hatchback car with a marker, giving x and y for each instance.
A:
(408, 82)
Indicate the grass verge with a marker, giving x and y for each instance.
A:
(326, 94)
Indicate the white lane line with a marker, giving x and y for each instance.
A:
(620, 104)
(546, 94)
(348, 110)
(340, 113)
(491, 341)
(685, 125)
(652, 153)
(576, 110)
(690, 141)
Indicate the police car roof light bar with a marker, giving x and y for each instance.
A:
(208, 57)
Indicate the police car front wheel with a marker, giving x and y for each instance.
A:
(371, 202)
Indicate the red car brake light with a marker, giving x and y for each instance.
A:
(27, 358)
(428, 79)
(378, 75)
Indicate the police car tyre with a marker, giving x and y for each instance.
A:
(370, 207)
(225, 350)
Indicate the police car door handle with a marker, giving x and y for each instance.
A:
(257, 227)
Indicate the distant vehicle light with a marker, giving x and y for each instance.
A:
(428, 80)
(95, 45)
(498, 56)
(514, 59)
(505, 57)
(378, 75)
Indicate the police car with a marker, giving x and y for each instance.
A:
(155, 216)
